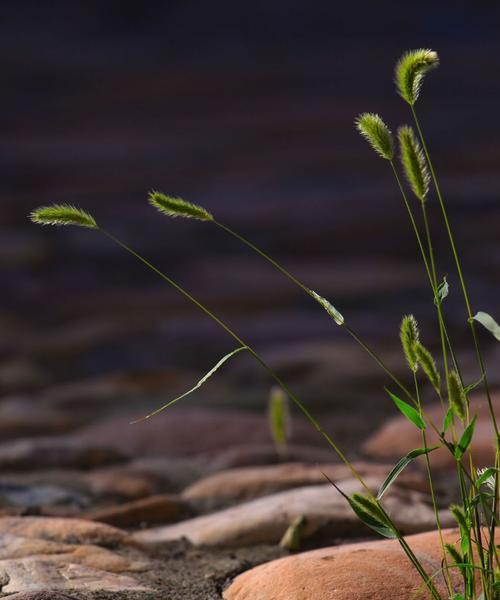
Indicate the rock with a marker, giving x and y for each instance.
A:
(31, 496)
(48, 572)
(234, 485)
(242, 455)
(190, 432)
(22, 417)
(173, 474)
(20, 374)
(266, 519)
(70, 531)
(41, 595)
(398, 436)
(65, 554)
(33, 453)
(13, 547)
(122, 482)
(155, 509)
(366, 571)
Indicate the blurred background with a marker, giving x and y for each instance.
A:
(246, 109)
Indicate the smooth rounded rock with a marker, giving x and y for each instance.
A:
(266, 519)
(235, 485)
(366, 571)
(398, 436)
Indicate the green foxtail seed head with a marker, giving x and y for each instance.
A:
(410, 71)
(456, 395)
(63, 214)
(409, 336)
(177, 207)
(428, 366)
(376, 133)
(414, 163)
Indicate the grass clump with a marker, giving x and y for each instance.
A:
(476, 514)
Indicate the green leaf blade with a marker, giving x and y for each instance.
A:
(466, 439)
(207, 376)
(489, 323)
(368, 512)
(408, 411)
(400, 466)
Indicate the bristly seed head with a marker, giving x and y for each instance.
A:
(177, 207)
(428, 365)
(410, 71)
(63, 214)
(409, 335)
(414, 163)
(456, 395)
(377, 134)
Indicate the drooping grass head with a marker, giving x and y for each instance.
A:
(177, 207)
(376, 133)
(414, 163)
(63, 214)
(410, 71)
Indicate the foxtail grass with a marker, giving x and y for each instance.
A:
(475, 556)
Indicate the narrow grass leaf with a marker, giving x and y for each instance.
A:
(377, 134)
(196, 387)
(367, 511)
(489, 323)
(408, 411)
(409, 336)
(447, 421)
(442, 291)
(487, 477)
(411, 70)
(456, 395)
(330, 309)
(63, 214)
(465, 440)
(472, 386)
(279, 419)
(428, 366)
(414, 162)
(177, 207)
(402, 464)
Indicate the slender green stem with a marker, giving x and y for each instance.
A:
(458, 266)
(482, 368)
(432, 489)
(308, 291)
(284, 387)
(236, 337)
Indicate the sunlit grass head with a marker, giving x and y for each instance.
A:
(63, 214)
(376, 133)
(410, 71)
(177, 207)
(414, 163)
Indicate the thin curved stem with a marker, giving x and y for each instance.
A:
(287, 390)
(356, 337)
